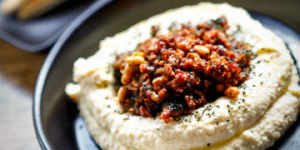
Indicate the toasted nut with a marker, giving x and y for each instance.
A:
(202, 50)
(232, 92)
(159, 80)
(155, 97)
(138, 54)
(122, 94)
(126, 77)
(135, 60)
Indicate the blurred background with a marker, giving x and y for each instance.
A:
(28, 30)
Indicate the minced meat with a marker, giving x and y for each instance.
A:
(172, 75)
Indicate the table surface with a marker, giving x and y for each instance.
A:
(18, 72)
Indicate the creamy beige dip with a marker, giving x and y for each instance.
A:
(267, 104)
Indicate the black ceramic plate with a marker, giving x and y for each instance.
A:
(40, 33)
(57, 121)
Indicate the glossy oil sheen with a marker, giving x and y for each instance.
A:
(61, 126)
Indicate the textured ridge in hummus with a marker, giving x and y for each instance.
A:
(267, 105)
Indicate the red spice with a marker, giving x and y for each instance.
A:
(171, 75)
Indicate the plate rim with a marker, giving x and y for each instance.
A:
(47, 64)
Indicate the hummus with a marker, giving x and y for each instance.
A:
(267, 104)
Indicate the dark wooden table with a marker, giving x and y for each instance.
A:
(18, 72)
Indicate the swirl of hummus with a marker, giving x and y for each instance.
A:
(267, 104)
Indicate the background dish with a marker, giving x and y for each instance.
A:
(40, 33)
(56, 118)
